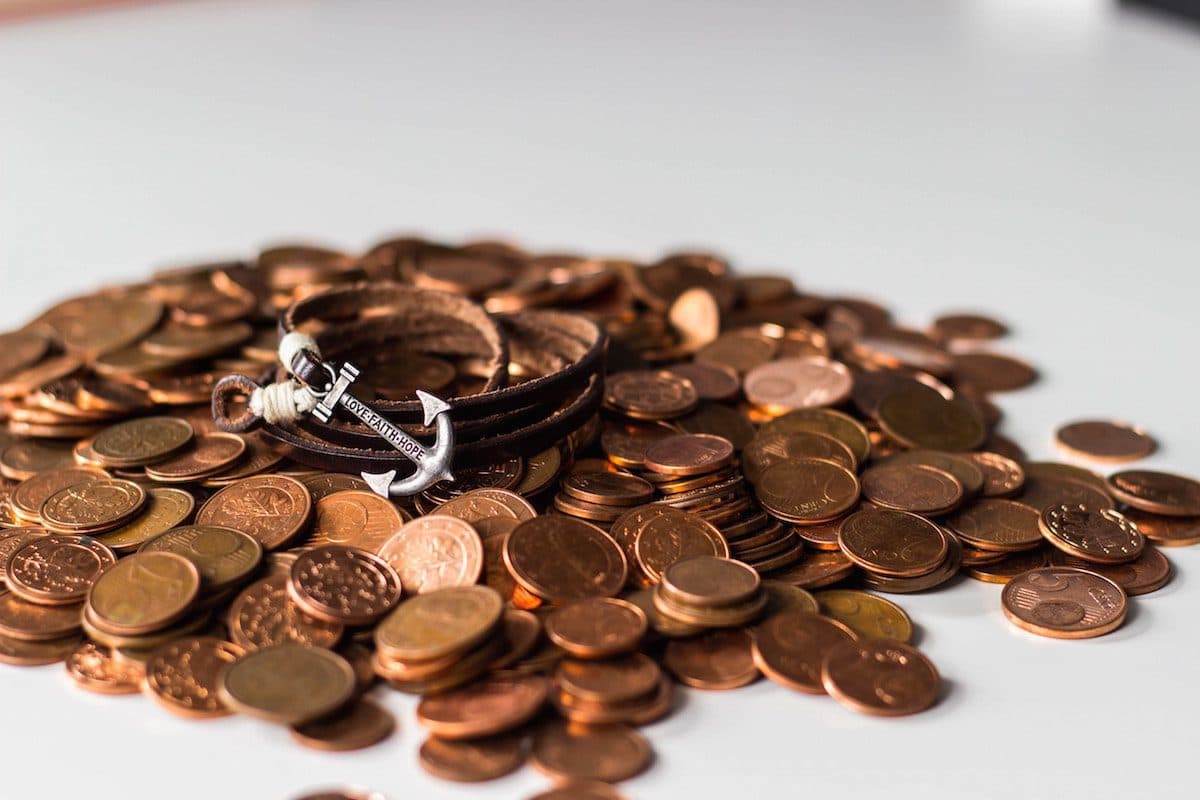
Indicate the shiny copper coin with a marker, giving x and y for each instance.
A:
(880, 677)
(344, 584)
(992, 372)
(711, 381)
(13, 539)
(223, 556)
(166, 507)
(274, 509)
(607, 753)
(559, 559)
(972, 557)
(919, 419)
(689, 454)
(92, 667)
(93, 506)
(1101, 535)
(30, 494)
(141, 441)
(626, 445)
(487, 503)
(1157, 492)
(739, 350)
(472, 761)
(19, 653)
(1009, 567)
(57, 570)
(807, 490)
(1041, 490)
(263, 615)
(816, 570)
(869, 616)
(765, 451)
(822, 535)
(434, 552)
(918, 488)
(708, 581)
(597, 627)
(1064, 603)
(892, 542)
(185, 675)
(992, 524)
(287, 683)
(795, 383)
(584, 510)
(1148, 573)
(438, 624)
(639, 711)
(25, 458)
(1104, 441)
(660, 624)
(31, 622)
(614, 680)
(142, 593)
(493, 705)
(789, 648)
(354, 518)
(671, 536)
(1163, 531)
(957, 464)
(1002, 476)
(608, 488)
(362, 724)
(210, 453)
(541, 471)
(719, 659)
(650, 394)
(907, 585)
(522, 632)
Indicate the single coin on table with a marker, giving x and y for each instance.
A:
(1101, 535)
(868, 615)
(597, 627)
(968, 327)
(880, 677)
(1101, 440)
(1064, 603)
(434, 552)
(287, 683)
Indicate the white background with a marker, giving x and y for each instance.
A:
(1037, 159)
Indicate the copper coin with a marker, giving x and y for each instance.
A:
(794, 383)
(919, 419)
(344, 584)
(354, 518)
(766, 451)
(1064, 603)
(626, 445)
(1105, 441)
(708, 581)
(918, 488)
(968, 327)
(1101, 535)
(580, 790)
(842, 427)
(1009, 567)
(493, 705)
(881, 677)
(25, 458)
(1002, 476)
(944, 572)
(1059, 471)
(660, 624)
(1041, 490)
(718, 659)
(522, 631)
(210, 453)
(639, 711)
(165, 508)
(822, 535)
(287, 683)
(650, 394)
(185, 675)
(143, 593)
(996, 525)
(57, 570)
(971, 557)
(906, 349)
(19, 653)
(487, 503)
(1163, 531)
(559, 558)
(541, 471)
(186, 342)
(597, 627)
(93, 506)
(13, 539)
(274, 509)
(711, 381)
(28, 496)
(689, 454)
(259, 457)
(263, 614)
(871, 387)
(613, 680)
(92, 667)
(224, 556)
(957, 464)
(438, 624)
(673, 535)
(141, 441)
(1148, 573)
(992, 372)
(361, 724)
(434, 552)
(324, 484)
(21, 349)
(789, 648)
(739, 350)
(892, 542)
(472, 761)
(807, 490)
(786, 597)
(609, 753)
(31, 622)
(608, 488)
(869, 616)
(816, 570)
(1157, 492)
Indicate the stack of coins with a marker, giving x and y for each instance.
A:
(756, 443)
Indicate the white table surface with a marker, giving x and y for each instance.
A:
(1035, 159)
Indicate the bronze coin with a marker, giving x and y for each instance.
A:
(673, 535)
(711, 381)
(869, 616)
(1100, 535)
(597, 627)
(287, 683)
(903, 349)
(922, 420)
(766, 451)
(1002, 476)
(739, 350)
(209, 454)
(259, 457)
(440, 624)
(487, 503)
(1101, 440)
(1064, 603)
(1163, 531)
(608, 488)
(1157, 492)
(434, 552)
(31, 622)
(263, 614)
(708, 581)
(541, 471)
(224, 556)
(789, 648)
(650, 394)
(559, 558)
(1009, 567)
(822, 535)
(689, 454)
(324, 484)
(626, 445)
(354, 518)
(21, 349)
(842, 427)
(1059, 471)
(996, 525)
(274, 509)
(906, 585)
(892, 543)
(816, 570)
(968, 327)
(185, 675)
(613, 680)
(580, 790)
(20, 653)
(992, 372)
(493, 705)
(93, 667)
(165, 508)
(959, 465)
(13, 539)
(57, 570)
(639, 711)
(93, 506)
(918, 488)
(186, 342)
(472, 761)
(29, 495)
(137, 442)
(881, 677)
(661, 625)
(609, 753)
(1041, 490)
(871, 387)
(143, 593)
(718, 659)
(807, 490)
(361, 724)
(795, 383)
(25, 458)
(343, 584)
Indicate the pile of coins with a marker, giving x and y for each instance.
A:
(767, 464)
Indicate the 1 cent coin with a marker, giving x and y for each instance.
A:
(609, 753)
(1101, 535)
(93, 506)
(789, 648)
(650, 394)
(880, 677)
(137, 442)
(558, 558)
(354, 518)
(434, 552)
(1064, 603)
(224, 556)
(185, 675)
(343, 584)
(717, 659)
(918, 488)
(142, 593)
(487, 707)
(287, 683)
(360, 725)
(597, 627)
(472, 761)
(263, 615)
(274, 509)
(868, 615)
(807, 490)
(1104, 441)
(439, 624)
(1157, 492)
(893, 543)
(689, 454)
(57, 570)
(795, 383)
(996, 525)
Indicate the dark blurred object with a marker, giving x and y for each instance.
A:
(1187, 9)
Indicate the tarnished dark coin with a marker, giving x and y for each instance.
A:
(920, 419)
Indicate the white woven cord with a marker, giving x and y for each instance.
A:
(287, 400)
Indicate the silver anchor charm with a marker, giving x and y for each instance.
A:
(433, 463)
